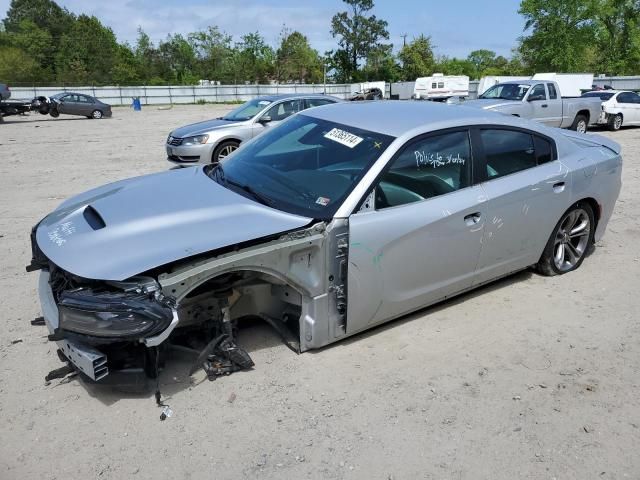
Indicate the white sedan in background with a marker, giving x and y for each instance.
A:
(618, 107)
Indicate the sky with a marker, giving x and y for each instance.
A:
(456, 27)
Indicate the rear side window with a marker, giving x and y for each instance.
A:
(552, 91)
(317, 102)
(627, 97)
(544, 149)
(512, 151)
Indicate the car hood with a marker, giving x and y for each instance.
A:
(489, 104)
(202, 127)
(128, 227)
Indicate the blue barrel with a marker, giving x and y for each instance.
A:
(137, 106)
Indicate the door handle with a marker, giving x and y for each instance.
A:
(472, 218)
(545, 105)
(558, 187)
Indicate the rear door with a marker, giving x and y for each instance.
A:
(417, 238)
(629, 104)
(86, 105)
(528, 189)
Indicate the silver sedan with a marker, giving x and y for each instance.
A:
(212, 140)
(342, 218)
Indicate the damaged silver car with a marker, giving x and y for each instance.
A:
(341, 218)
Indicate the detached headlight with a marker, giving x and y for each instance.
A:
(112, 314)
(197, 140)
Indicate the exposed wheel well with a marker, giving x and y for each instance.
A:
(248, 293)
(595, 206)
(584, 113)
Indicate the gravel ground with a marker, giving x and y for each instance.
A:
(530, 377)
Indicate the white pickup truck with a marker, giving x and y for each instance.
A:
(540, 100)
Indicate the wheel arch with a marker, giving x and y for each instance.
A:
(595, 206)
(584, 113)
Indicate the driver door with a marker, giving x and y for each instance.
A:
(418, 239)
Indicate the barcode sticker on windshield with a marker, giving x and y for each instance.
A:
(345, 138)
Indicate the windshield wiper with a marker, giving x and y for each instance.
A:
(263, 199)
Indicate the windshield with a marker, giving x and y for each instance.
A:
(305, 166)
(604, 96)
(507, 91)
(247, 111)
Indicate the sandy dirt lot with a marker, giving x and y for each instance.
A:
(530, 377)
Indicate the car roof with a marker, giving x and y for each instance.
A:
(397, 117)
(283, 96)
(527, 82)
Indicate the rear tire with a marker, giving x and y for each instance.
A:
(615, 122)
(580, 124)
(570, 241)
(223, 150)
(97, 114)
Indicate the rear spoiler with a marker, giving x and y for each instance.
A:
(591, 141)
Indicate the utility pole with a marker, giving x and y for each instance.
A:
(404, 40)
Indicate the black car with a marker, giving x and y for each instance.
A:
(70, 103)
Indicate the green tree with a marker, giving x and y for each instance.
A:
(358, 35)
(46, 14)
(37, 44)
(381, 64)
(215, 54)
(482, 61)
(296, 61)
(16, 66)
(254, 59)
(417, 58)
(454, 66)
(87, 52)
(178, 60)
(125, 67)
(618, 37)
(561, 32)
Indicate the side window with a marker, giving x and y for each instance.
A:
(552, 91)
(434, 85)
(538, 90)
(284, 110)
(626, 97)
(440, 84)
(507, 152)
(84, 99)
(544, 150)
(317, 102)
(636, 98)
(428, 167)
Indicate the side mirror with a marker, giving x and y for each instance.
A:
(535, 98)
(264, 119)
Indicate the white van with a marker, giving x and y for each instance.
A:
(441, 87)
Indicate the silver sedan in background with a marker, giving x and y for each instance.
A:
(342, 218)
(212, 140)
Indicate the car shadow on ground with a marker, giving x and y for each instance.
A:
(174, 377)
(426, 312)
(27, 119)
(257, 336)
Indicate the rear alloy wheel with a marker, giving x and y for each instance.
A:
(569, 241)
(97, 114)
(615, 122)
(223, 150)
(580, 124)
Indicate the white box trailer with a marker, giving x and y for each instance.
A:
(489, 81)
(440, 87)
(570, 84)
